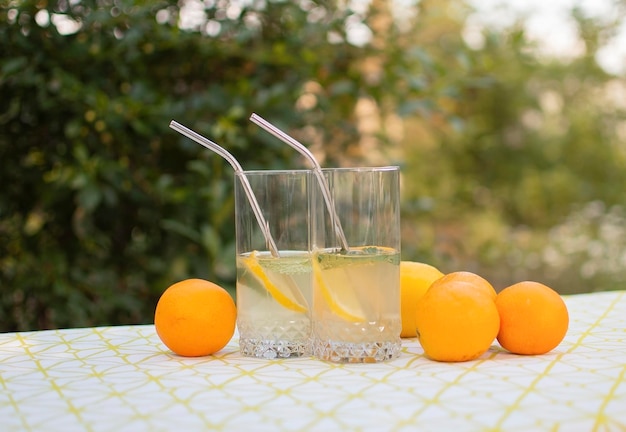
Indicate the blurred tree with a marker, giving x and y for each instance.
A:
(536, 138)
(102, 205)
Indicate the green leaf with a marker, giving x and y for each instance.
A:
(211, 240)
(89, 196)
(181, 229)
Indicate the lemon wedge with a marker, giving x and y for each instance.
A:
(287, 300)
(342, 301)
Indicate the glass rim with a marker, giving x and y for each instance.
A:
(365, 169)
(327, 169)
(272, 172)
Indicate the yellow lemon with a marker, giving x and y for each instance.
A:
(288, 297)
(415, 279)
(343, 302)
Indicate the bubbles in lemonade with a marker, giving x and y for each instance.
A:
(273, 298)
(356, 304)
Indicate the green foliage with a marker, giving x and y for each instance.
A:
(102, 205)
(537, 139)
(96, 186)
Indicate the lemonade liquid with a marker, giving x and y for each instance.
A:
(356, 305)
(273, 298)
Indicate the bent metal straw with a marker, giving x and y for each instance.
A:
(268, 127)
(205, 142)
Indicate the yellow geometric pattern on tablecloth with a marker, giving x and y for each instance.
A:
(123, 378)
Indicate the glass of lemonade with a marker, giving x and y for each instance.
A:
(356, 291)
(274, 293)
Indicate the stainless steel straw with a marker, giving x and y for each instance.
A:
(317, 169)
(205, 142)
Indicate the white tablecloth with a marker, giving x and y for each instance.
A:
(124, 379)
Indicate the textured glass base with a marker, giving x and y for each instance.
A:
(353, 352)
(271, 349)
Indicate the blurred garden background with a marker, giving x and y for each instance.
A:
(512, 146)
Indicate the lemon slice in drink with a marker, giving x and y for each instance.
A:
(283, 297)
(343, 302)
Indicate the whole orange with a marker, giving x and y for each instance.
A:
(479, 282)
(456, 321)
(195, 317)
(533, 318)
(415, 278)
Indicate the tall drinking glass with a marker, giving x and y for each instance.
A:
(356, 292)
(274, 292)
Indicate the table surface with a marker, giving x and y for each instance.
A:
(123, 378)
